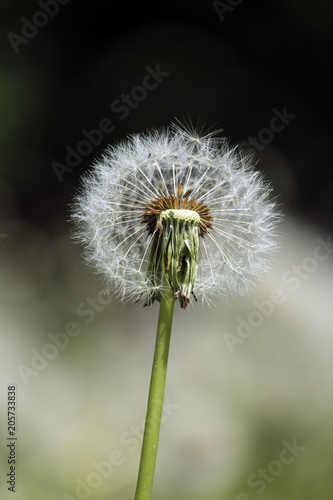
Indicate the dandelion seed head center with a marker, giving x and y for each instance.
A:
(177, 207)
(181, 215)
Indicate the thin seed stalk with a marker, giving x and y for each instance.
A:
(156, 397)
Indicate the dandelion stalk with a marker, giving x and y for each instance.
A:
(155, 399)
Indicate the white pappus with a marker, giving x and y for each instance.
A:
(176, 206)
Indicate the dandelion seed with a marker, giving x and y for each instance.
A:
(178, 207)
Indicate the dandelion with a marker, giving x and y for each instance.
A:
(179, 207)
(174, 215)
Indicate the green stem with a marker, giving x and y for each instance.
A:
(156, 397)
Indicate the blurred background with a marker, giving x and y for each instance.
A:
(249, 397)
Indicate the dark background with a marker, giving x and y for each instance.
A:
(229, 73)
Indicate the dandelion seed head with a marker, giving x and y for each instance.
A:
(180, 206)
